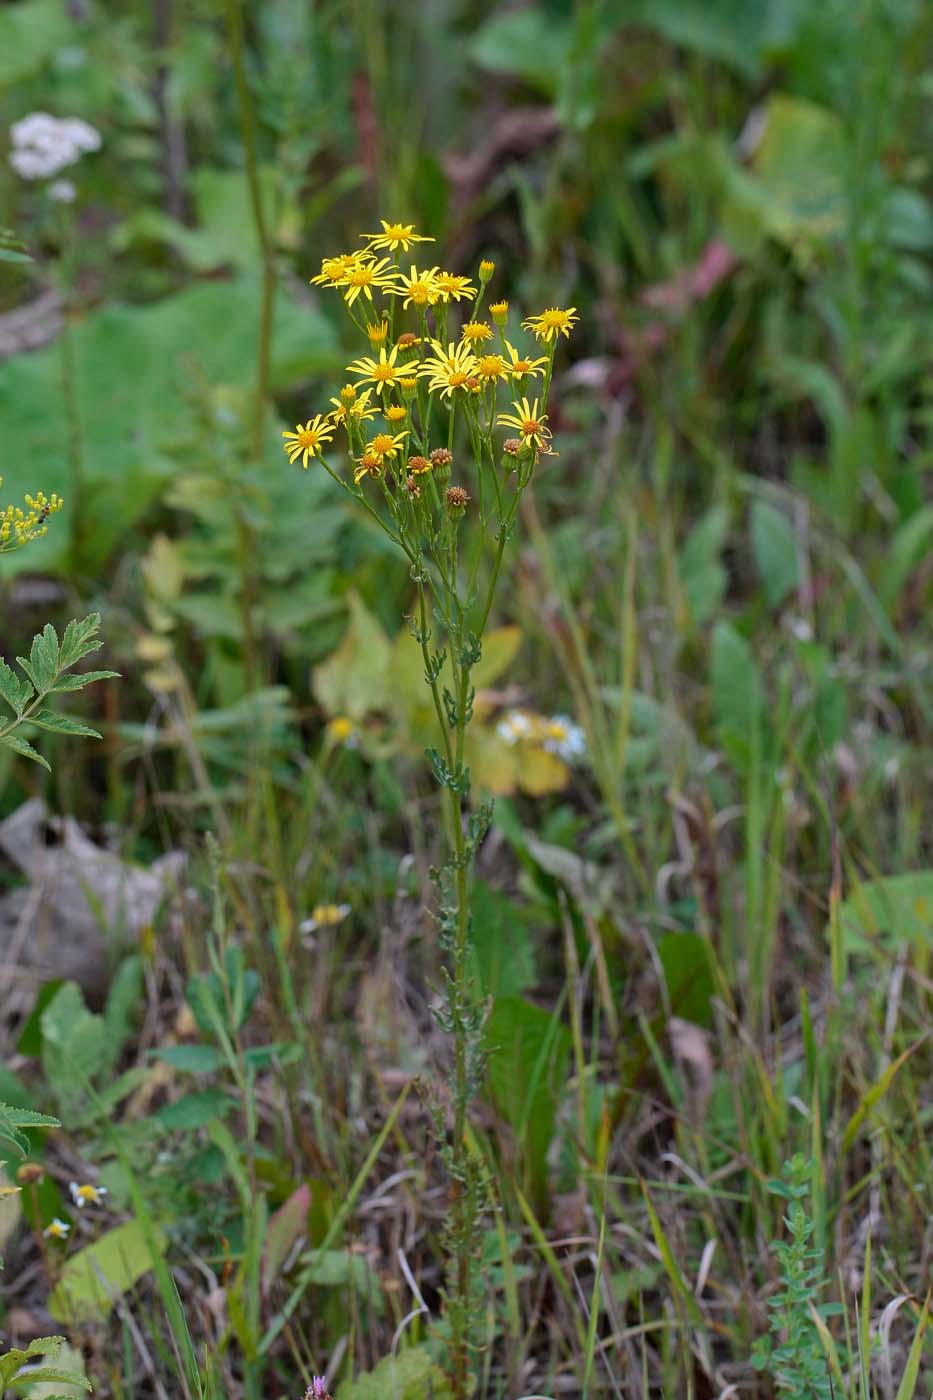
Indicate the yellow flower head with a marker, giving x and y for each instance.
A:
(334, 270)
(306, 441)
(377, 334)
(325, 916)
(341, 730)
(19, 527)
(385, 446)
(352, 405)
(491, 367)
(452, 287)
(396, 413)
(499, 311)
(449, 370)
(384, 371)
(408, 384)
(417, 466)
(552, 322)
(475, 332)
(486, 269)
(395, 236)
(361, 277)
(530, 424)
(57, 1230)
(418, 288)
(521, 366)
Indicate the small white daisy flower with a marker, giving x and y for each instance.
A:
(86, 1194)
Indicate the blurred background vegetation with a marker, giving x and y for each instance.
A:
(708, 944)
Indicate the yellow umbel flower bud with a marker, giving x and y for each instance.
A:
(499, 311)
(486, 269)
(408, 386)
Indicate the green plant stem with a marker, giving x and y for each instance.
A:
(75, 441)
(245, 534)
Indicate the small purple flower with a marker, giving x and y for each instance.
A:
(317, 1390)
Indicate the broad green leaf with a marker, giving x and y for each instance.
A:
(31, 31)
(528, 1053)
(412, 1375)
(794, 185)
(135, 368)
(892, 911)
(195, 1059)
(501, 947)
(737, 694)
(194, 1110)
(774, 546)
(226, 231)
(527, 43)
(74, 1046)
(732, 31)
(685, 959)
(93, 1277)
(700, 565)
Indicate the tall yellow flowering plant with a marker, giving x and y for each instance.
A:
(436, 436)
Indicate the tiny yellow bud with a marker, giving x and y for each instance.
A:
(486, 269)
(377, 334)
(408, 387)
(499, 311)
(348, 393)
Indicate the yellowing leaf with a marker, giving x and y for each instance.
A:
(354, 680)
(500, 647)
(93, 1277)
(492, 762)
(539, 771)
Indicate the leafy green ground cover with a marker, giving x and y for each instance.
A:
(706, 943)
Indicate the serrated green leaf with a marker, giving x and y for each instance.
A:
(80, 638)
(36, 1374)
(11, 1361)
(28, 1117)
(43, 658)
(81, 679)
(62, 724)
(17, 693)
(24, 749)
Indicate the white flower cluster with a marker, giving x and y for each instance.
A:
(558, 735)
(43, 145)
